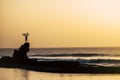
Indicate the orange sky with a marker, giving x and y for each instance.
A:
(60, 23)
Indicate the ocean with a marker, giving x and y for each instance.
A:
(103, 56)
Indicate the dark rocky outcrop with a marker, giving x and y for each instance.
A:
(21, 60)
(20, 56)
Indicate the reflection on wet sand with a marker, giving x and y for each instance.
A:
(21, 74)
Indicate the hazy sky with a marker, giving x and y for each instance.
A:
(60, 23)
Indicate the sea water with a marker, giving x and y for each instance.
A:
(97, 56)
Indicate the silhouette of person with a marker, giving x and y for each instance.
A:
(26, 36)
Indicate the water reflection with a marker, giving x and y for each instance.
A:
(21, 74)
(65, 76)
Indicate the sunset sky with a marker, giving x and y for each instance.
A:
(60, 23)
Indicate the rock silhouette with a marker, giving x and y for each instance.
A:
(20, 56)
(21, 60)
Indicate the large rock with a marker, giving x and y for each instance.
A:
(21, 54)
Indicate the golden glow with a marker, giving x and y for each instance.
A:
(60, 23)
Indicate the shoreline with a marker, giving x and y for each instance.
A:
(59, 67)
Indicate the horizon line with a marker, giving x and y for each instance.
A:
(67, 47)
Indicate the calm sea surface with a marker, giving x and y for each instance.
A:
(96, 56)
